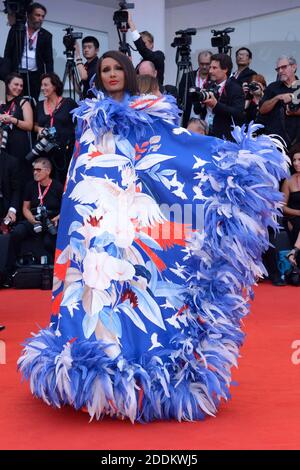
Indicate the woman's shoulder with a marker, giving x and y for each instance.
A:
(69, 103)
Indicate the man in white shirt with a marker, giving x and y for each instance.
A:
(29, 50)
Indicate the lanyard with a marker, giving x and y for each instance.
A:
(52, 112)
(11, 109)
(199, 81)
(42, 196)
(32, 39)
(222, 89)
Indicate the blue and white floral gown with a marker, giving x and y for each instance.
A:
(160, 241)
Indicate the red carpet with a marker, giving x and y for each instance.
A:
(264, 412)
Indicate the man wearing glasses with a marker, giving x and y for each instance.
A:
(278, 117)
(34, 54)
(41, 207)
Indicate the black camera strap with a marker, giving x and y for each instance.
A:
(56, 108)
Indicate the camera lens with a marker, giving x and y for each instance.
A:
(37, 227)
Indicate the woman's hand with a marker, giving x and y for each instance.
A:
(39, 130)
(5, 118)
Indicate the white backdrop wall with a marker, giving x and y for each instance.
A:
(83, 16)
(267, 32)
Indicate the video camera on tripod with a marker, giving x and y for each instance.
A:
(120, 18)
(183, 43)
(17, 8)
(221, 40)
(69, 41)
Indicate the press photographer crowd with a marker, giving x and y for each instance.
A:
(37, 131)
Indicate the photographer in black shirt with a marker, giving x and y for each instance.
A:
(275, 106)
(90, 50)
(41, 207)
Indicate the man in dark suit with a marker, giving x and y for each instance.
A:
(228, 107)
(9, 186)
(33, 52)
(243, 74)
(144, 42)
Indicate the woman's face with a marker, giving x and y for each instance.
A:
(47, 88)
(296, 162)
(15, 87)
(112, 76)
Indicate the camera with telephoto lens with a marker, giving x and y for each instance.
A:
(4, 131)
(43, 221)
(70, 39)
(120, 16)
(294, 105)
(46, 143)
(198, 95)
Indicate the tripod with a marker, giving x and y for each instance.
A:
(123, 45)
(184, 71)
(71, 74)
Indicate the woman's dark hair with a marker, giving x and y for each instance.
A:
(293, 150)
(9, 78)
(55, 81)
(260, 79)
(131, 86)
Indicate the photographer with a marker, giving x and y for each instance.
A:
(226, 106)
(144, 42)
(41, 207)
(90, 50)
(254, 93)
(9, 188)
(16, 117)
(35, 54)
(199, 79)
(55, 111)
(275, 106)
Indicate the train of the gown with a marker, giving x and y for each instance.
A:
(160, 242)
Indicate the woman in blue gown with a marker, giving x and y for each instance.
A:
(160, 241)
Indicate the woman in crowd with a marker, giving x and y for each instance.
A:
(17, 114)
(147, 308)
(254, 92)
(55, 111)
(148, 85)
(291, 190)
